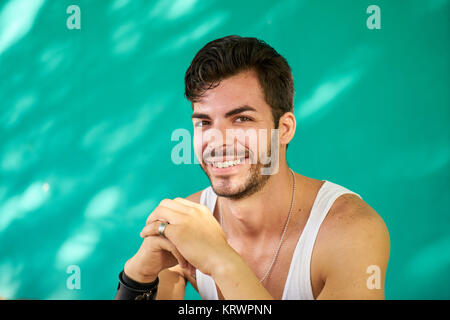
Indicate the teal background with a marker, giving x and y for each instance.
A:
(86, 118)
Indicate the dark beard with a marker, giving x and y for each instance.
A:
(253, 184)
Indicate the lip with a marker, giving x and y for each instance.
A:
(224, 159)
(228, 170)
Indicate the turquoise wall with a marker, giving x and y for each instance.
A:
(86, 118)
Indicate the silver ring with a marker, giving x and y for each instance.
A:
(161, 229)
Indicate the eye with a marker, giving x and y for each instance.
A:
(200, 123)
(243, 119)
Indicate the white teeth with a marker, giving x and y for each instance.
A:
(226, 164)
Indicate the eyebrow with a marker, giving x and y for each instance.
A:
(227, 115)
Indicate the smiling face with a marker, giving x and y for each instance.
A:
(227, 132)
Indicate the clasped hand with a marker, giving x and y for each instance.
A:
(193, 230)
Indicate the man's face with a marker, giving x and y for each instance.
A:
(229, 138)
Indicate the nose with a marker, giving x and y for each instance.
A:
(218, 134)
(218, 140)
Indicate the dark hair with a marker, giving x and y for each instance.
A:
(227, 56)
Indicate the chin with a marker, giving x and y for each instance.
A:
(227, 188)
(239, 186)
(227, 184)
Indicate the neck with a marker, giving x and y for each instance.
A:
(263, 214)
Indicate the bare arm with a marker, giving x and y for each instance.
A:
(171, 284)
(354, 253)
(237, 281)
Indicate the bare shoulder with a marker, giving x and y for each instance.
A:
(352, 233)
(349, 213)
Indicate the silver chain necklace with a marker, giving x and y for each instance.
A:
(284, 231)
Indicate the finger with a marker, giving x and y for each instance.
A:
(152, 229)
(157, 220)
(164, 214)
(165, 244)
(183, 205)
(186, 202)
(190, 204)
(177, 205)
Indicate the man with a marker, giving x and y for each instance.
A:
(260, 231)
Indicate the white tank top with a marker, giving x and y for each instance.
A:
(298, 281)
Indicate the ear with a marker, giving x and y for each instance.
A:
(286, 127)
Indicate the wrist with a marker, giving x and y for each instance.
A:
(134, 271)
(129, 289)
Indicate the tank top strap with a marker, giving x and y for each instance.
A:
(298, 283)
(209, 198)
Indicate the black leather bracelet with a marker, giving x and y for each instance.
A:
(128, 289)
